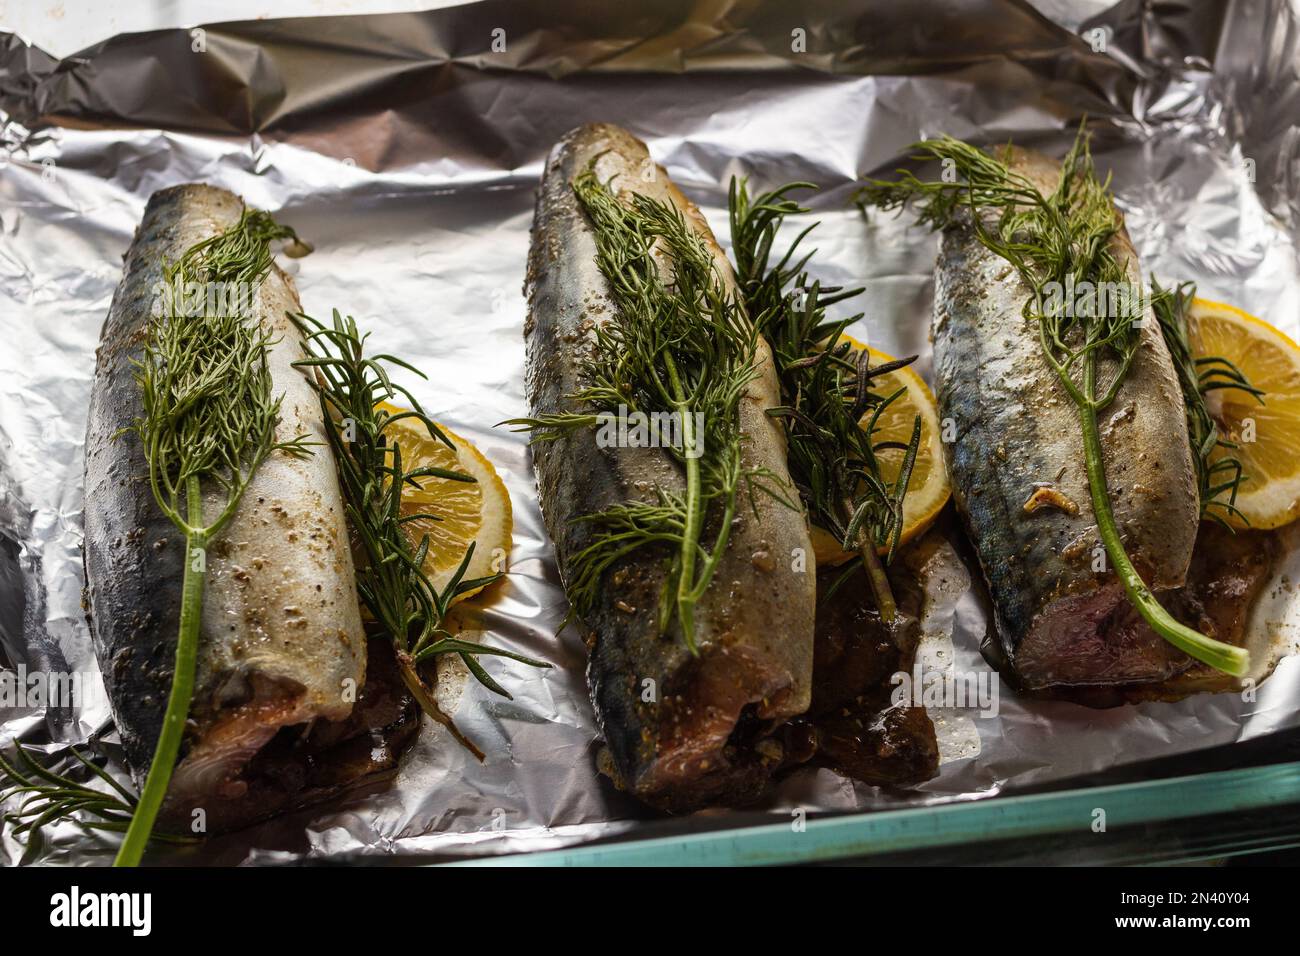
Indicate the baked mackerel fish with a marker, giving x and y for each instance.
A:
(282, 654)
(1017, 467)
(697, 734)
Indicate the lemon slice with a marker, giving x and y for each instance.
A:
(1268, 435)
(928, 491)
(475, 512)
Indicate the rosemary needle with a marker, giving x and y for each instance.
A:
(1217, 480)
(392, 581)
(47, 797)
(1063, 237)
(826, 389)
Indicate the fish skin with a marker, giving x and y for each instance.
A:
(1059, 623)
(281, 630)
(755, 623)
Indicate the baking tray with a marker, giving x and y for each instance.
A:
(407, 148)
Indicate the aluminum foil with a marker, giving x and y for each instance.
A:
(407, 149)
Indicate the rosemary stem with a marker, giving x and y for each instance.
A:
(1224, 657)
(686, 592)
(411, 678)
(178, 701)
(880, 588)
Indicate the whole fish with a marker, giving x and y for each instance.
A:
(681, 731)
(1017, 466)
(281, 643)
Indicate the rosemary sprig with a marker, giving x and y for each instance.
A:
(681, 345)
(1064, 237)
(392, 582)
(1217, 480)
(826, 389)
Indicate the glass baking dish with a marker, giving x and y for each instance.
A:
(1177, 817)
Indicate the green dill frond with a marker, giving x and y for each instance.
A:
(1063, 237)
(208, 408)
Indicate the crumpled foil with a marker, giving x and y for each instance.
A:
(407, 149)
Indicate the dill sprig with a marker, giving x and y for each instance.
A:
(392, 581)
(209, 420)
(46, 797)
(1064, 237)
(678, 344)
(826, 389)
(1218, 480)
(208, 410)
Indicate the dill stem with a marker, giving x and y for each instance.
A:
(686, 592)
(1224, 657)
(178, 701)
(719, 546)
